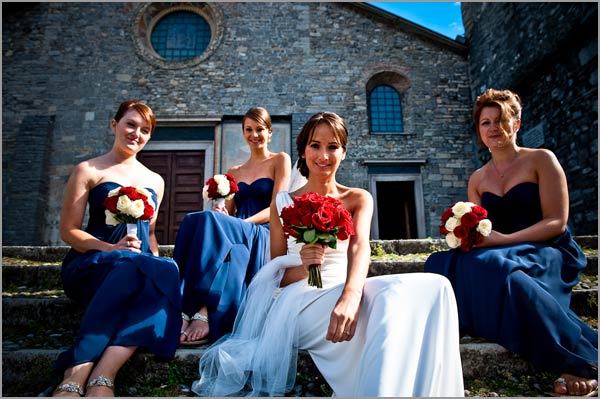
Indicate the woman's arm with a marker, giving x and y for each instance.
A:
(73, 211)
(282, 170)
(345, 313)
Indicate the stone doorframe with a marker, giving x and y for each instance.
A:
(394, 176)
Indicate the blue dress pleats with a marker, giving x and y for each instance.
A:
(519, 295)
(130, 299)
(219, 254)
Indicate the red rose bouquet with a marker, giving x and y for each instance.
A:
(317, 219)
(465, 224)
(128, 205)
(220, 188)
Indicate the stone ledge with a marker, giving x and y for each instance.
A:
(29, 372)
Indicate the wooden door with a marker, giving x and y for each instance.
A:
(183, 172)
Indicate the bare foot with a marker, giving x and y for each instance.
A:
(571, 385)
(196, 330)
(99, 392)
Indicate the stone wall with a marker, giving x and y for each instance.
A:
(75, 62)
(546, 52)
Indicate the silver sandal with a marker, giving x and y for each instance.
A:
(69, 387)
(101, 381)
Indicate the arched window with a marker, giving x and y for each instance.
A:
(385, 110)
(180, 35)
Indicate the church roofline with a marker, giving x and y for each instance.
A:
(411, 27)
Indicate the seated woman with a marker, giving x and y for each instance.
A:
(394, 335)
(131, 295)
(516, 288)
(218, 253)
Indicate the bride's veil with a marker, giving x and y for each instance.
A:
(259, 357)
(296, 179)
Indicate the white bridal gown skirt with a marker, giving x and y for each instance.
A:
(406, 342)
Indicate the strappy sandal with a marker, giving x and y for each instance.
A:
(69, 387)
(101, 381)
(196, 316)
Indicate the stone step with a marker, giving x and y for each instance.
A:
(28, 372)
(39, 276)
(399, 247)
(43, 311)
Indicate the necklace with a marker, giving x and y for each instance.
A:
(497, 171)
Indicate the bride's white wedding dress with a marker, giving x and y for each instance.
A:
(406, 341)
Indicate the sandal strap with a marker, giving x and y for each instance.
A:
(70, 387)
(101, 381)
(200, 316)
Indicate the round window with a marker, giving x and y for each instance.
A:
(180, 35)
(177, 36)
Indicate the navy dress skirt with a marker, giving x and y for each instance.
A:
(131, 299)
(219, 254)
(519, 295)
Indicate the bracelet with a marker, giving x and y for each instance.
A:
(200, 317)
(185, 317)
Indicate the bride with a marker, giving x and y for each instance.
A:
(394, 335)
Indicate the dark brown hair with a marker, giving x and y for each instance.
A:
(337, 124)
(508, 102)
(144, 110)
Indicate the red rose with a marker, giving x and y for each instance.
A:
(323, 218)
(461, 231)
(469, 219)
(443, 229)
(446, 215)
(148, 211)
(479, 211)
(110, 203)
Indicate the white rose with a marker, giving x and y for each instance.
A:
(148, 196)
(205, 192)
(114, 192)
(136, 208)
(123, 204)
(460, 208)
(484, 227)
(452, 240)
(452, 223)
(110, 218)
(223, 186)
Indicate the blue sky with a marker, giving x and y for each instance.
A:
(440, 17)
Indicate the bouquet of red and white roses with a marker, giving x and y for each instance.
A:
(220, 188)
(128, 205)
(317, 219)
(465, 224)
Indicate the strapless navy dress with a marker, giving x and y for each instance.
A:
(519, 295)
(131, 299)
(219, 254)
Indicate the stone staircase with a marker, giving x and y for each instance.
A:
(38, 321)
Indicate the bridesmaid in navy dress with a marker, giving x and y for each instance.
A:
(516, 291)
(219, 251)
(131, 294)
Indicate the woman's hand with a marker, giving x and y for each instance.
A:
(344, 317)
(221, 209)
(129, 243)
(495, 238)
(312, 254)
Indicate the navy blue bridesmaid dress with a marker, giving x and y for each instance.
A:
(131, 299)
(219, 254)
(519, 295)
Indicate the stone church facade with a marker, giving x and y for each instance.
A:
(67, 66)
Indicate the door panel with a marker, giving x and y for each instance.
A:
(183, 172)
